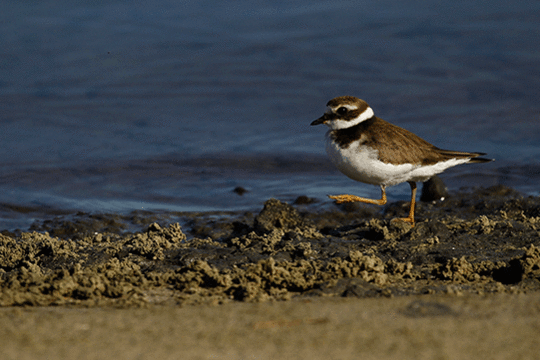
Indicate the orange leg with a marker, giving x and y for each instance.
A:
(340, 199)
(410, 218)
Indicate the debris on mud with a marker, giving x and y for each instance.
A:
(486, 241)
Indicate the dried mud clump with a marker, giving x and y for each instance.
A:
(482, 242)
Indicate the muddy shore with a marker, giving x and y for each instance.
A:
(481, 245)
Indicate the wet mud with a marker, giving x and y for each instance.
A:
(480, 242)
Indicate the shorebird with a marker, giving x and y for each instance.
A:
(370, 150)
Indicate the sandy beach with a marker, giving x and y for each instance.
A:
(286, 282)
(498, 326)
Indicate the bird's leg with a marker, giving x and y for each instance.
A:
(340, 199)
(410, 218)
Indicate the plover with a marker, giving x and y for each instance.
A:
(373, 151)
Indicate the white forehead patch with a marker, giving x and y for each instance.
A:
(348, 106)
(342, 124)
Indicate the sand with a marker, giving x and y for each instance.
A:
(501, 326)
(288, 281)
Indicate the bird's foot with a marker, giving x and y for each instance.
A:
(407, 219)
(340, 199)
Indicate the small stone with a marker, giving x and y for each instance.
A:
(434, 190)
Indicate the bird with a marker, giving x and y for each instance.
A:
(371, 150)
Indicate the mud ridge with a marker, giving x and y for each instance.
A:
(486, 241)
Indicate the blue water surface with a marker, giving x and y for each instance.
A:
(120, 105)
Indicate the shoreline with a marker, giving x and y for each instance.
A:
(483, 241)
(468, 273)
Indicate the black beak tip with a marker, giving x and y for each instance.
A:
(318, 122)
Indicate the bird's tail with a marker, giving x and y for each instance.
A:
(475, 156)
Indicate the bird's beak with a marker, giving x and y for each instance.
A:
(323, 119)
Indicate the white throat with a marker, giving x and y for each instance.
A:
(342, 124)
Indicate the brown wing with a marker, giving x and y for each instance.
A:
(397, 145)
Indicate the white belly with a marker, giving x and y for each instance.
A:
(361, 163)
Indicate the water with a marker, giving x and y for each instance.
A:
(119, 106)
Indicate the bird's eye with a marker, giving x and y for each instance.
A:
(342, 110)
